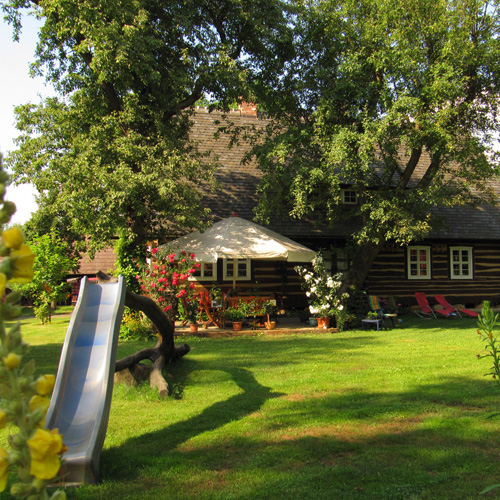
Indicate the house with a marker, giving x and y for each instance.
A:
(460, 260)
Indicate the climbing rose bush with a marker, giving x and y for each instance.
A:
(166, 279)
(24, 398)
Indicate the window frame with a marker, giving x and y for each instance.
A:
(248, 269)
(470, 262)
(428, 262)
(346, 196)
(201, 276)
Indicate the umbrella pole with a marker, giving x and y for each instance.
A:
(235, 270)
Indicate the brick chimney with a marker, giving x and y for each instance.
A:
(247, 108)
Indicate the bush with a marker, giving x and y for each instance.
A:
(136, 326)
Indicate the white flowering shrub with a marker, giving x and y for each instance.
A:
(323, 291)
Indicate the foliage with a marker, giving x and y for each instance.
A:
(53, 261)
(487, 322)
(166, 279)
(323, 290)
(191, 309)
(238, 312)
(135, 326)
(395, 100)
(34, 451)
(127, 257)
(269, 307)
(110, 154)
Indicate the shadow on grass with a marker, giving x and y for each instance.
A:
(152, 445)
(422, 443)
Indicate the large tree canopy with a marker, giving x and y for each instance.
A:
(111, 153)
(394, 99)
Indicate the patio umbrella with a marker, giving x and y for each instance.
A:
(237, 238)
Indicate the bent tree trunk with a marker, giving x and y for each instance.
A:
(164, 352)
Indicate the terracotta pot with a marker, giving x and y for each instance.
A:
(270, 325)
(193, 327)
(323, 323)
(237, 325)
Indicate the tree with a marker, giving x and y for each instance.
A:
(53, 261)
(111, 154)
(396, 100)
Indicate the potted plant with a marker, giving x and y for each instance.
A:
(236, 315)
(269, 308)
(191, 311)
(324, 292)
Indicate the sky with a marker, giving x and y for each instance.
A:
(16, 87)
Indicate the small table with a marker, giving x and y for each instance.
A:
(367, 322)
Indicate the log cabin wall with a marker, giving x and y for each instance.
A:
(268, 277)
(389, 274)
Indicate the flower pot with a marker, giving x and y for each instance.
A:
(193, 327)
(323, 323)
(237, 325)
(313, 322)
(270, 325)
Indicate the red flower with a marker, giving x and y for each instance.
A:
(155, 267)
(165, 309)
(181, 293)
(191, 285)
(153, 251)
(160, 299)
(184, 252)
(192, 256)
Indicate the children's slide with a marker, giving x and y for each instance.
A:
(81, 400)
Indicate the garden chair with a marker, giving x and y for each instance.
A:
(448, 307)
(381, 314)
(426, 310)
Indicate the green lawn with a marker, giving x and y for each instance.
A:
(402, 414)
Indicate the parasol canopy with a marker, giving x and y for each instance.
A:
(237, 238)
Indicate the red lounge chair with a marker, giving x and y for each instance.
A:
(426, 310)
(448, 307)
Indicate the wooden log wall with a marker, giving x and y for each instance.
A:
(388, 276)
(269, 277)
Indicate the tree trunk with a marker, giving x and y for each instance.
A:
(362, 261)
(164, 352)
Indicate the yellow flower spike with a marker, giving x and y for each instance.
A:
(40, 403)
(13, 238)
(45, 447)
(22, 264)
(12, 361)
(3, 284)
(45, 384)
(4, 468)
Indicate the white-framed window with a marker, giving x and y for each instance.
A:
(461, 267)
(419, 263)
(349, 197)
(206, 272)
(243, 269)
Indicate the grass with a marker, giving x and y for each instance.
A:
(394, 415)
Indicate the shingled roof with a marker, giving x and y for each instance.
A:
(238, 182)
